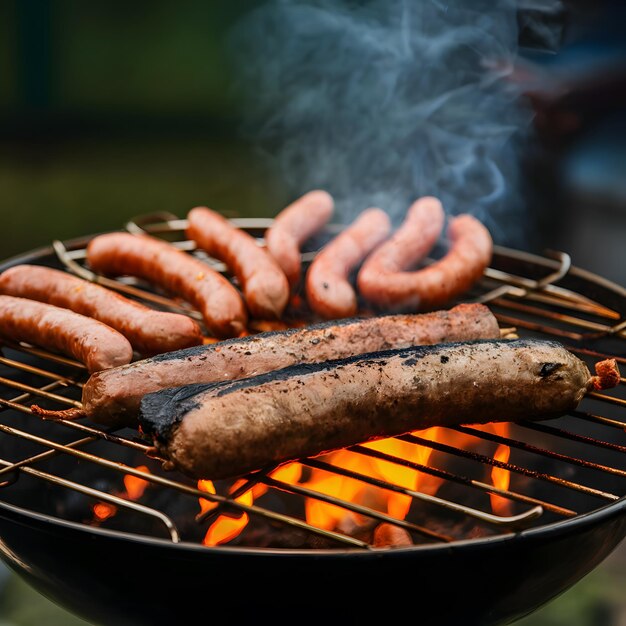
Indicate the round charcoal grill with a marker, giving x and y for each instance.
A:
(500, 522)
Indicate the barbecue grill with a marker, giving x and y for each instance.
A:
(501, 521)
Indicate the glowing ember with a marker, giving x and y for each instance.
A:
(135, 486)
(103, 510)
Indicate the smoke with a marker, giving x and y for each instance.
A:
(382, 101)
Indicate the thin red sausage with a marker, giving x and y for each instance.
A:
(383, 277)
(328, 289)
(263, 282)
(406, 247)
(293, 226)
(89, 341)
(470, 252)
(149, 332)
(161, 264)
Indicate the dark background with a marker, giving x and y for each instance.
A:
(111, 110)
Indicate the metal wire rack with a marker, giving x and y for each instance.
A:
(522, 304)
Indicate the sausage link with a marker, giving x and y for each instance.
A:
(113, 397)
(408, 245)
(161, 264)
(293, 226)
(264, 284)
(329, 291)
(438, 284)
(232, 428)
(89, 341)
(149, 331)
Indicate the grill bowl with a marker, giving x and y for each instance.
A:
(117, 577)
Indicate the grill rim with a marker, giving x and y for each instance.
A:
(577, 523)
(602, 515)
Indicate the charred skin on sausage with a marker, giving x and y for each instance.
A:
(223, 430)
(113, 398)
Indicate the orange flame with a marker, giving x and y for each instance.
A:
(226, 527)
(330, 516)
(206, 505)
(501, 477)
(134, 485)
(104, 510)
(134, 488)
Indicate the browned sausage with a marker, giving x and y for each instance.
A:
(384, 285)
(163, 265)
(89, 341)
(293, 226)
(113, 397)
(404, 250)
(264, 284)
(232, 428)
(329, 291)
(148, 331)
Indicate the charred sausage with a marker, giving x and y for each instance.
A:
(329, 291)
(436, 285)
(89, 341)
(293, 226)
(163, 265)
(228, 429)
(264, 284)
(113, 398)
(149, 331)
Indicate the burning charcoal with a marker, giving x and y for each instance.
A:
(283, 537)
(362, 530)
(388, 535)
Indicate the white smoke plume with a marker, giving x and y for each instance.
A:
(382, 101)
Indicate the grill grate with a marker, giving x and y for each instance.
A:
(540, 474)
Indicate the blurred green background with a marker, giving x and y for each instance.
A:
(114, 109)
(109, 110)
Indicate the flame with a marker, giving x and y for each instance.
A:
(134, 488)
(344, 488)
(134, 485)
(501, 477)
(206, 505)
(226, 527)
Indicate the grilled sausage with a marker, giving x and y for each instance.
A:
(89, 341)
(383, 277)
(113, 397)
(163, 265)
(232, 428)
(293, 226)
(149, 331)
(264, 284)
(436, 285)
(328, 289)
